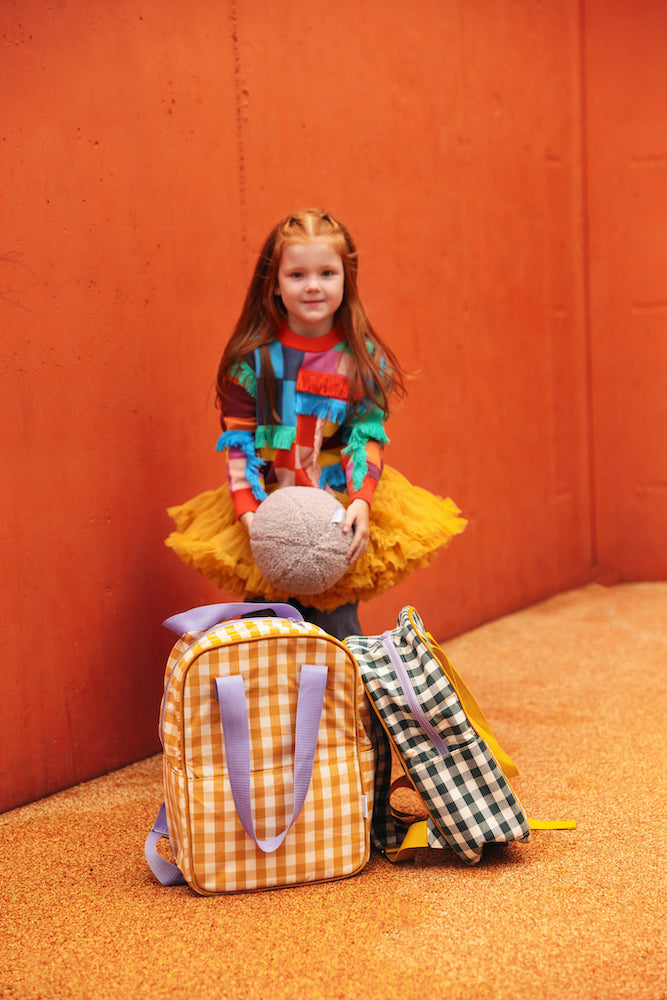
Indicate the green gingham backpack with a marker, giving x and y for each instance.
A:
(430, 720)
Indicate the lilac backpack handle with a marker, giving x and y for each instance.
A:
(234, 718)
(205, 617)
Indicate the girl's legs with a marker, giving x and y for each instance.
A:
(340, 622)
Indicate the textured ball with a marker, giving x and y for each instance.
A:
(297, 540)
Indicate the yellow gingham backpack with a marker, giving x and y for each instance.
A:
(267, 758)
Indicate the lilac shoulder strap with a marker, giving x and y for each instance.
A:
(165, 872)
(403, 678)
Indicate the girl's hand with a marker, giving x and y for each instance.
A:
(358, 517)
(246, 520)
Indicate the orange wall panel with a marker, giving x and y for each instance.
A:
(464, 194)
(512, 246)
(114, 269)
(627, 193)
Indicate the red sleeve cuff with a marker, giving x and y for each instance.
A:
(366, 492)
(244, 502)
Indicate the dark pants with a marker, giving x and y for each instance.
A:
(340, 622)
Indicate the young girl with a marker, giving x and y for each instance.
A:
(304, 386)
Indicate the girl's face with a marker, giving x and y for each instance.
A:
(311, 285)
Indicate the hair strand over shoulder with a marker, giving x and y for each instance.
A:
(376, 372)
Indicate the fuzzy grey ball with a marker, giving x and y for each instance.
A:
(297, 540)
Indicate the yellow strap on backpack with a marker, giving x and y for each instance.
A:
(417, 836)
(471, 708)
(552, 824)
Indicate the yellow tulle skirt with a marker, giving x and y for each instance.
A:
(408, 527)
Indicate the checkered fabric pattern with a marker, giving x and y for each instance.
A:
(331, 837)
(469, 799)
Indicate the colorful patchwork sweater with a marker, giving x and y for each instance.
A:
(319, 442)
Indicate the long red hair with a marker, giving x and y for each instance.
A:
(376, 372)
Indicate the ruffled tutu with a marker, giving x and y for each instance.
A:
(408, 527)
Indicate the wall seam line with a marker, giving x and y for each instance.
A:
(240, 99)
(586, 291)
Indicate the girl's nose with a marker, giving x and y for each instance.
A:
(312, 281)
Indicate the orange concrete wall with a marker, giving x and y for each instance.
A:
(626, 67)
(503, 180)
